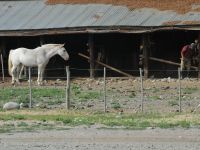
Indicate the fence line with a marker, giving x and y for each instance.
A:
(179, 81)
(2, 68)
(143, 91)
(105, 101)
(30, 87)
(68, 88)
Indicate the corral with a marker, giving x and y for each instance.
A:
(121, 37)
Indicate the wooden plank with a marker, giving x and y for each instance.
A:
(146, 49)
(169, 62)
(91, 58)
(108, 66)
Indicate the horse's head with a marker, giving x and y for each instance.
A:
(62, 52)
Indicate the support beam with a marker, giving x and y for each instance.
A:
(198, 57)
(107, 66)
(146, 49)
(168, 62)
(91, 51)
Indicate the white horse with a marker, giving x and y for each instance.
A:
(38, 57)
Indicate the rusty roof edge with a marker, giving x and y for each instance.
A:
(79, 30)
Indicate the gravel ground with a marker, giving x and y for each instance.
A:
(83, 138)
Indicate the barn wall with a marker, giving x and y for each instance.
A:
(119, 50)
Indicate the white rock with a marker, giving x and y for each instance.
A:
(11, 105)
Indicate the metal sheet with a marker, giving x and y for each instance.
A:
(36, 15)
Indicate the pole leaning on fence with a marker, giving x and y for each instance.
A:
(104, 79)
(2, 68)
(30, 88)
(68, 88)
(142, 89)
(179, 88)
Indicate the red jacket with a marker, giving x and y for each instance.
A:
(187, 52)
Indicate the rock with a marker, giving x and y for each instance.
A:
(164, 80)
(11, 105)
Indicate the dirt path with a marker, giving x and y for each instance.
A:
(81, 138)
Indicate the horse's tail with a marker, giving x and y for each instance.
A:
(10, 63)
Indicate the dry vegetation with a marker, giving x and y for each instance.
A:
(181, 6)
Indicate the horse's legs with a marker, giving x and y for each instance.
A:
(13, 73)
(38, 79)
(41, 73)
(40, 69)
(21, 70)
(18, 71)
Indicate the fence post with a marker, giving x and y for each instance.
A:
(30, 87)
(104, 79)
(179, 88)
(2, 68)
(68, 88)
(142, 89)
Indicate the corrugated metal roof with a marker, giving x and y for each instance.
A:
(32, 15)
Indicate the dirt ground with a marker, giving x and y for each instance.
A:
(83, 138)
(160, 95)
(124, 94)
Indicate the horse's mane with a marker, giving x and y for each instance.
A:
(50, 45)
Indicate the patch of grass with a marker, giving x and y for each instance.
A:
(81, 95)
(75, 89)
(132, 95)
(115, 105)
(84, 96)
(66, 120)
(22, 124)
(173, 103)
(21, 95)
(154, 97)
(129, 121)
(189, 90)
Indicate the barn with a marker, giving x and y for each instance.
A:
(122, 35)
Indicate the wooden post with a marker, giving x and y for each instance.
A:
(2, 67)
(2, 49)
(146, 49)
(179, 87)
(68, 88)
(30, 87)
(104, 77)
(142, 89)
(198, 56)
(91, 51)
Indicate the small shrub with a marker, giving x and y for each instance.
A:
(173, 103)
(22, 124)
(115, 105)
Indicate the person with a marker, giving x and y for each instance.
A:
(187, 53)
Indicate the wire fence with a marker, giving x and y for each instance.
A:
(130, 94)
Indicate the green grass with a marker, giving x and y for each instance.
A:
(21, 95)
(115, 105)
(50, 96)
(190, 90)
(129, 121)
(81, 95)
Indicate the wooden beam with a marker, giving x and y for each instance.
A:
(146, 49)
(91, 51)
(108, 66)
(168, 62)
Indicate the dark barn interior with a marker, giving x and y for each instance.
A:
(118, 50)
